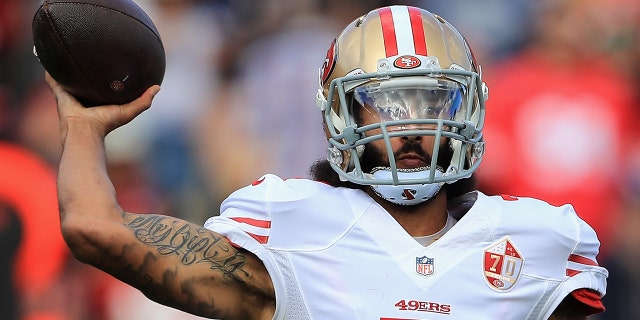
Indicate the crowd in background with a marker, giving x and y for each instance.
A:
(238, 100)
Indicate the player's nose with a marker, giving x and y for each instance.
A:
(412, 138)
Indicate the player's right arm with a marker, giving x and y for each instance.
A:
(171, 261)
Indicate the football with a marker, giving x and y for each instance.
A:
(101, 51)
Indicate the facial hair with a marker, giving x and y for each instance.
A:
(321, 171)
(373, 157)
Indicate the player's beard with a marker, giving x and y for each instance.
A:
(373, 157)
(321, 170)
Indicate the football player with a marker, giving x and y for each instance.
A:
(389, 228)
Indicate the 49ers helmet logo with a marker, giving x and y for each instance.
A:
(329, 62)
(406, 62)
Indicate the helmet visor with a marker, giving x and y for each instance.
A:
(425, 98)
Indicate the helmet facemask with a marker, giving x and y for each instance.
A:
(416, 73)
(421, 102)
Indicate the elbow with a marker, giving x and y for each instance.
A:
(77, 235)
(86, 238)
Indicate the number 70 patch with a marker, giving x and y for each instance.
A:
(502, 264)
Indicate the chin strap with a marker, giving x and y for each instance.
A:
(409, 194)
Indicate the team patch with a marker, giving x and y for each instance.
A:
(425, 266)
(502, 264)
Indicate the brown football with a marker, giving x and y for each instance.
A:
(100, 51)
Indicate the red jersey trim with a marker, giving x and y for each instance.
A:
(259, 238)
(264, 224)
(582, 260)
(253, 222)
(572, 272)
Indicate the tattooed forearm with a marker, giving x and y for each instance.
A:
(151, 288)
(192, 244)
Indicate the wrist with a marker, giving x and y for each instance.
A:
(80, 127)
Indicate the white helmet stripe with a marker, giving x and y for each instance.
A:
(403, 31)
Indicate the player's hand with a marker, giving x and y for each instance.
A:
(104, 118)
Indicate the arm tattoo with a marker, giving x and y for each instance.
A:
(191, 243)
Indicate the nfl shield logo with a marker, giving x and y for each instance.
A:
(424, 266)
(502, 264)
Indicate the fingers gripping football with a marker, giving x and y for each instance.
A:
(107, 117)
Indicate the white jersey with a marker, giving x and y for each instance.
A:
(334, 253)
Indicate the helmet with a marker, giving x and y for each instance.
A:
(418, 72)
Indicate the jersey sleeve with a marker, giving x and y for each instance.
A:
(585, 279)
(273, 217)
(245, 218)
(290, 214)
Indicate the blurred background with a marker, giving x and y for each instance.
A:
(238, 100)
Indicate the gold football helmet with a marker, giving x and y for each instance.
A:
(418, 72)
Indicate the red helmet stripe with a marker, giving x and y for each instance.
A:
(419, 40)
(388, 32)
